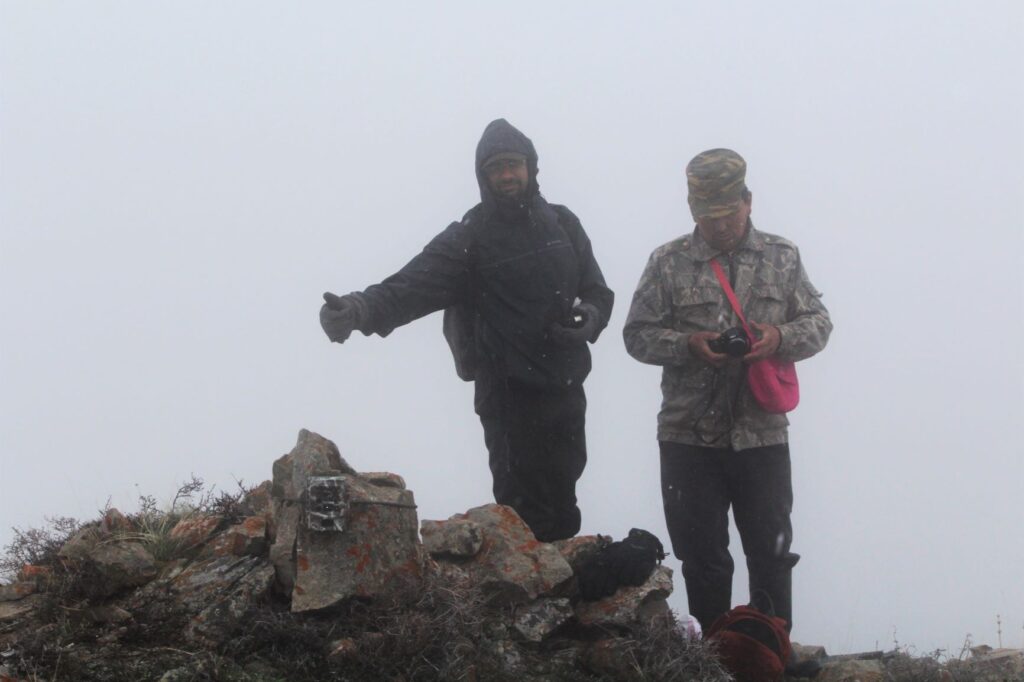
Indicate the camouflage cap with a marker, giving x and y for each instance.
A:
(716, 180)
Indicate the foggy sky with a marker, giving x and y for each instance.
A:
(179, 182)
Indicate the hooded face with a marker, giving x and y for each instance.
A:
(506, 165)
(507, 176)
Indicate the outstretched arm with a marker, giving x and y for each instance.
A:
(434, 279)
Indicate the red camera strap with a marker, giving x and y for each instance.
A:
(724, 281)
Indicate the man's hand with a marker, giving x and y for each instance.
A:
(698, 343)
(338, 317)
(766, 345)
(566, 336)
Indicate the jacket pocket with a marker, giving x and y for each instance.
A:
(696, 308)
(767, 304)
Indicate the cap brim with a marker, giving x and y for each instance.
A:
(717, 210)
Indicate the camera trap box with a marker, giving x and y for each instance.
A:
(327, 503)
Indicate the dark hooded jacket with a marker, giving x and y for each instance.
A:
(520, 267)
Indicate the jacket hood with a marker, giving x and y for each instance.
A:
(501, 136)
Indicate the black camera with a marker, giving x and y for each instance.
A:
(733, 342)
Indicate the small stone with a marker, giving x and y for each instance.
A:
(78, 546)
(17, 590)
(117, 566)
(115, 522)
(537, 620)
(343, 648)
(108, 613)
(452, 538)
(248, 538)
(384, 479)
(258, 500)
(193, 531)
(808, 652)
(38, 574)
(13, 610)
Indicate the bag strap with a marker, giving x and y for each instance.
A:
(729, 294)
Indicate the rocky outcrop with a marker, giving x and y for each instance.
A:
(330, 565)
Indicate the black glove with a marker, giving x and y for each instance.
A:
(628, 562)
(596, 578)
(339, 316)
(579, 333)
(634, 558)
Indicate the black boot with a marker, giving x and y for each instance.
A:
(771, 589)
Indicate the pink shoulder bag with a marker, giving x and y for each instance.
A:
(772, 381)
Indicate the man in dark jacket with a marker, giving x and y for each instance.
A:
(524, 277)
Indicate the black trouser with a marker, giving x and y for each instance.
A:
(698, 485)
(538, 449)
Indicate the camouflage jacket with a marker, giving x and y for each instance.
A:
(679, 294)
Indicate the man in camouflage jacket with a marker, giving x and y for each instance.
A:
(718, 447)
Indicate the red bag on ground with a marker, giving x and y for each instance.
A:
(753, 646)
(772, 381)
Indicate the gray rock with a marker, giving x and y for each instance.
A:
(852, 671)
(17, 590)
(452, 538)
(377, 553)
(997, 663)
(312, 455)
(802, 652)
(118, 565)
(630, 606)
(78, 546)
(248, 538)
(282, 553)
(15, 610)
(258, 500)
(537, 620)
(218, 621)
(215, 594)
(115, 522)
(196, 530)
(512, 564)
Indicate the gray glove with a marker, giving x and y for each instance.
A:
(580, 332)
(340, 316)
